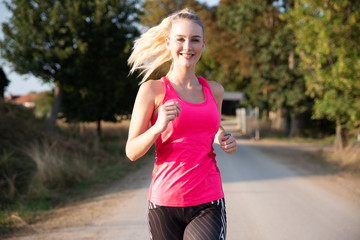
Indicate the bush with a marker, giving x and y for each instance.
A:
(16, 171)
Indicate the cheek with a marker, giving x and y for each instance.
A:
(198, 47)
(175, 47)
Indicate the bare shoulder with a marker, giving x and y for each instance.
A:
(154, 86)
(152, 90)
(151, 87)
(217, 89)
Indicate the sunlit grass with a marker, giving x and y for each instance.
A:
(346, 159)
(41, 170)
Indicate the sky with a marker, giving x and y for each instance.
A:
(23, 84)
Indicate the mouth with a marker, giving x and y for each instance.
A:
(187, 55)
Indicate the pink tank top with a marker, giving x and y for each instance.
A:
(185, 172)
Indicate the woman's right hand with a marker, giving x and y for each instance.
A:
(166, 113)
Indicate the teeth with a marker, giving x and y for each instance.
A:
(186, 54)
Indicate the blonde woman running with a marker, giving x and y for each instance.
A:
(186, 199)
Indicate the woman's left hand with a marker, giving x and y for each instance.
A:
(228, 143)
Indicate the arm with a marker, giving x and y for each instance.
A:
(225, 139)
(141, 136)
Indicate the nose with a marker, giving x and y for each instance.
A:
(187, 45)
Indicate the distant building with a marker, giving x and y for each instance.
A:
(231, 102)
(234, 96)
(27, 100)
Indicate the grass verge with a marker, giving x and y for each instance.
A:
(40, 171)
(345, 160)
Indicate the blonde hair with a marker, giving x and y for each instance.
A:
(150, 52)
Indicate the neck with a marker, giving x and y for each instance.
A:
(185, 77)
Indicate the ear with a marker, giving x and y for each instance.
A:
(203, 46)
(167, 42)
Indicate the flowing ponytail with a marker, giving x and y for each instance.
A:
(149, 51)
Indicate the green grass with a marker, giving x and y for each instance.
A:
(42, 171)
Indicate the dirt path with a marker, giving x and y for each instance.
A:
(272, 193)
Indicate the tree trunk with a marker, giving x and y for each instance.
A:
(294, 122)
(98, 129)
(279, 123)
(296, 125)
(265, 116)
(339, 145)
(55, 108)
(98, 135)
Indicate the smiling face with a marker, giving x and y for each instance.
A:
(186, 42)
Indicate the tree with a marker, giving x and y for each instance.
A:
(4, 82)
(328, 34)
(260, 58)
(49, 39)
(103, 88)
(156, 10)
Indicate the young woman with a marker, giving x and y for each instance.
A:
(180, 113)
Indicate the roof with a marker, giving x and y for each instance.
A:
(234, 96)
(27, 100)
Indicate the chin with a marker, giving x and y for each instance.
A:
(188, 65)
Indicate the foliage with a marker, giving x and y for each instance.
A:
(38, 39)
(67, 41)
(43, 103)
(331, 59)
(102, 88)
(300, 55)
(263, 60)
(154, 11)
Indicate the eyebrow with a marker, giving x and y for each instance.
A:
(195, 36)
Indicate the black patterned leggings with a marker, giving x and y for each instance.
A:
(201, 222)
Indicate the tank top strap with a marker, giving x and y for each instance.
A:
(169, 92)
(207, 89)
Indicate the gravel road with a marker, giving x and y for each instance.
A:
(267, 199)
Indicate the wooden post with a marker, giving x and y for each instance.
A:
(257, 131)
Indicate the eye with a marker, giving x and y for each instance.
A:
(180, 39)
(195, 40)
